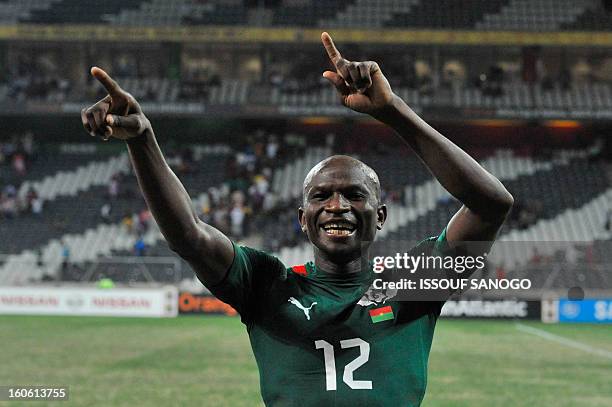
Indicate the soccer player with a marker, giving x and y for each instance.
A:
(320, 336)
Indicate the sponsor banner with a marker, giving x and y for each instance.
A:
(245, 34)
(501, 309)
(89, 301)
(589, 311)
(189, 303)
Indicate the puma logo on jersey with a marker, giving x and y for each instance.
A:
(300, 306)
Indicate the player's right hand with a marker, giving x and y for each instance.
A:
(117, 115)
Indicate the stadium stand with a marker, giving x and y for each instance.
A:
(306, 13)
(538, 15)
(570, 195)
(77, 12)
(41, 165)
(367, 14)
(40, 239)
(13, 10)
(462, 14)
(526, 78)
(287, 182)
(221, 13)
(564, 187)
(90, 183)
(70, 183)
(574, 224)
(58, 218)
(514, 95)
(565, 214)
(534, 15)
(593, 18)
(585, 96)
(151, 89)
(426, 207)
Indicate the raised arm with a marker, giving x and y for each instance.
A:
(486, 202)
(119, 115)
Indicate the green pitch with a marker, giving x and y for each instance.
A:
(206, 361)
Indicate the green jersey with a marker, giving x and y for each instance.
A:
(326, 340)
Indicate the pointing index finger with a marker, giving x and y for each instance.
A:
(109, 83)
(332, 51)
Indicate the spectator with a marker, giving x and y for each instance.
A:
(272, 147)
(105, 212)
(65, 257)
(113, 186)
(19, 164)
(128, 223)
(237, 215)
(136, 226)
(220, 218)
(9, 206)
(144, 221)
(37, 206)
(140, 247)
(258, 191)
(31, 195)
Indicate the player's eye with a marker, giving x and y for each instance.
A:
(355, 196)
(320, 195)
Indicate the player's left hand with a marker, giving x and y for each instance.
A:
(117, 115)
(361, 85)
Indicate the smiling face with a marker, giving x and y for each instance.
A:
(341, 208)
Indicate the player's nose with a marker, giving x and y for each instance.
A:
(337, 204)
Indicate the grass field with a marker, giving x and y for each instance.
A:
(207, 361)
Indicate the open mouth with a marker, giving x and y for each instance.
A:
(339, 228)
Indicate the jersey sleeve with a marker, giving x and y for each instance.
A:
(248, 280)
(436, 246)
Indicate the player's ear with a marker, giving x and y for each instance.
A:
(302, 219)
(381, 216)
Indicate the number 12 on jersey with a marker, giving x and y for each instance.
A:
(349, 369)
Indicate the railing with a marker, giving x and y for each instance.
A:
(121, 270)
